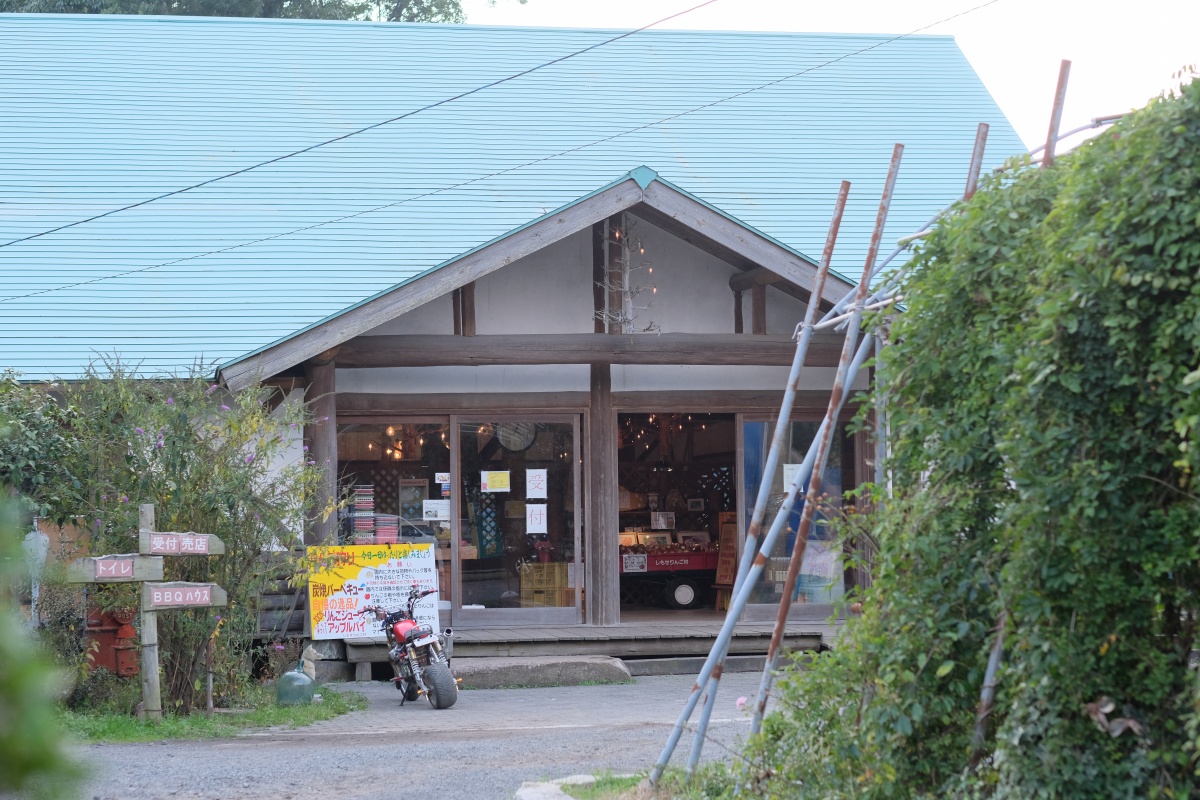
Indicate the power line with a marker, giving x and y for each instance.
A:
(345, 136)
(534, 162)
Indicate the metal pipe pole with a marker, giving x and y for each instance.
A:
(1060, 97)
(836, 399)
(741, 598)
(782, 425)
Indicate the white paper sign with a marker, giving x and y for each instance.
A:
(435, 510)
(790, 471)
(662, 520)
(441, 477)
(633, 562)
(535, 518)
(535, 483)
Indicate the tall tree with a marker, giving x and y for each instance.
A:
(388, 10)
(385, 10)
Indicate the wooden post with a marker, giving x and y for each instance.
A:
(322, 385)
(738, 324)
(612, 272)
(604, 591)
(599, 260)
(467, 293)
(151, 688)
(758, 309)
(456, 303)
(208, 663)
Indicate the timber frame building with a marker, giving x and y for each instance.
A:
(585, 279)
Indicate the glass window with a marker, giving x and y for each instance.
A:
(821, 572)
(517, 514)
(387, 472)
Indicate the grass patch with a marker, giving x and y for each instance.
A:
(713, 781)
(605, 787)
(260, 711)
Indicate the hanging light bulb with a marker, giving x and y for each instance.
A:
(388, 451)
(391, 431)
(370, 446)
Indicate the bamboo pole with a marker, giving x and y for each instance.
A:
(825, 441)
(782, 425)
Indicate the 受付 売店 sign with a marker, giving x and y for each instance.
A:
(180, 544)
(178, 594)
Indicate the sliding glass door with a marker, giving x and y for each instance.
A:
(517, 519)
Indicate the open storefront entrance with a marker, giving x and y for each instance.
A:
(677, 502)
(498, 496)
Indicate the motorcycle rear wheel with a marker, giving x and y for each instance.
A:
(443, 689)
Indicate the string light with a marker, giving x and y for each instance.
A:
(391, 431)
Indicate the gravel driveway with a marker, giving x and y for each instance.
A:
(484, 747)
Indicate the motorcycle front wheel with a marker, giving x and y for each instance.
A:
(443, 689)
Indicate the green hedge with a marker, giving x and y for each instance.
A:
(1044, 392)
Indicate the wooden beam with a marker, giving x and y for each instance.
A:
(472, 266)
(758, 310)
(321, 395)
(809, 403)
(468, 309)
(604, 581)
(456, 304)
(428, 350)
(599, 254)
(738, 324)
(358, 405)
(759, 276)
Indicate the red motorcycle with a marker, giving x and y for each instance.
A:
(418, 654)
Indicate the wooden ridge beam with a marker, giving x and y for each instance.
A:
(714, 349)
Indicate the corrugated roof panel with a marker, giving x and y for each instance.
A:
(103, 111)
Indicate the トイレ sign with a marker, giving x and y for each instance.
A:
(120, 568)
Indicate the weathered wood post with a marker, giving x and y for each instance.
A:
(151, 688)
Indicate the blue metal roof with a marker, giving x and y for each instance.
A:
(102, 111)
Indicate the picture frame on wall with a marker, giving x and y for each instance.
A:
(659, 539)
(627, 539)
(695, 504)
(694, 537)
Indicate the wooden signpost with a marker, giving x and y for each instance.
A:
(146, 567)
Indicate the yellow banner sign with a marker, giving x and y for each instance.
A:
(345, 580)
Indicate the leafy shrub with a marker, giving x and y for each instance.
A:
(1044, 392)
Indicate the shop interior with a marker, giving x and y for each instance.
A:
(677, 481)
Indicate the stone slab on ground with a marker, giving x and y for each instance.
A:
(690, 665)
(328, 671)
(550, 790)
(500, 673)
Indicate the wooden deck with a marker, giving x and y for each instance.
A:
(660, 635)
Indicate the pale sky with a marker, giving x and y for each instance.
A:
(1122, 53)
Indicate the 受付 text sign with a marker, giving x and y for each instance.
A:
(179, 594)
(122, 568)
(179, 544)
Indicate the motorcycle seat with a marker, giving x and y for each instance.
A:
(418, 632)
